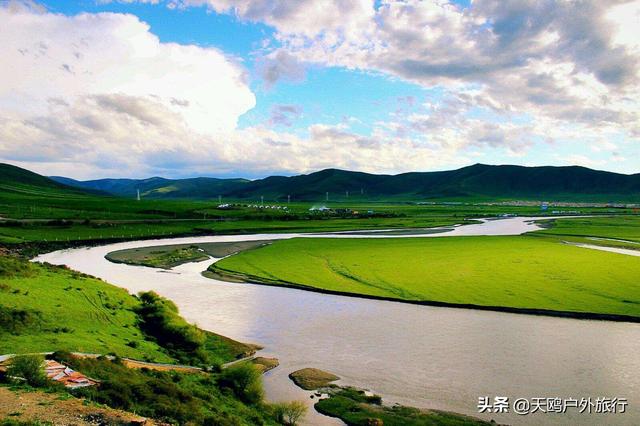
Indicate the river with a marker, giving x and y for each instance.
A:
(431, 357)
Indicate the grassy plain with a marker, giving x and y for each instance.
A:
(523, 272)
(619, 227)
(31, 214)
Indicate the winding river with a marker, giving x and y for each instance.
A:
(432, 357)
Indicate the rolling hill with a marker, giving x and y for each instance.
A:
(17, 180)
(157, 187)
(571, 183)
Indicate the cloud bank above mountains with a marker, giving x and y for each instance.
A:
(99, 94)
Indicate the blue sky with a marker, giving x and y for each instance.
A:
(381, 87)
(370, 96)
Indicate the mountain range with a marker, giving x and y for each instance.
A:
(480, 181)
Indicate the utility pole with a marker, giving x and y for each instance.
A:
(138, 197)
(288, 199)
(262, 200)
(219, 199)
(327, 197)
(347, 192)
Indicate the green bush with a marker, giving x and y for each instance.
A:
(159, 320)
(14, 321)
(28, 368)
(289, 413)
(171, 397)
(11, 266)
(245, 380)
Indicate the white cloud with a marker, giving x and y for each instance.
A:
(572, 61)
(102, 88)
(99, 94)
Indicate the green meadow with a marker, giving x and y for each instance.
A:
(526, 272)
(48, 308)
(619, 227)
(32, 212)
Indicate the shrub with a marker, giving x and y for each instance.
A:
(245, 380)
(14, 321)
(14, 267)
(29, 368)
(289, 413)
(159, 319)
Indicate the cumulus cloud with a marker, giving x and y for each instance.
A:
(103, 84)
(574, 61)
(99, 93)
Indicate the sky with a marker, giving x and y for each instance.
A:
(251, 88)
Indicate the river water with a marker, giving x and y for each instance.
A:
(431, 357)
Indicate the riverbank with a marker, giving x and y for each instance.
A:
(237, 278)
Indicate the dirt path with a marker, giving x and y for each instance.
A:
(34, 406)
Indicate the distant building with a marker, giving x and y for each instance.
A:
(319, 209)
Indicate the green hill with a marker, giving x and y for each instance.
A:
(157, 187)
(474, 182)
(20, 181)
(478, 182)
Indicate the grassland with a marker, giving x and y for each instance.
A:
(620, 228)
(51, 217)
(45, 308)
(519, 272)
(70, 311)
(48, 308)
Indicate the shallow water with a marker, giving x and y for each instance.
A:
(423, 356)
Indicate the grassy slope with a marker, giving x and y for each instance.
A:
(82, 314)
(78, 314)
(518, 272)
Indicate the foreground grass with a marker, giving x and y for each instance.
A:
(174, 397)
(47, 308)
(65, 310)
(523, 272)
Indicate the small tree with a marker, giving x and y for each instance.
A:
(245, 380)
(29, 368)
(290, 413)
